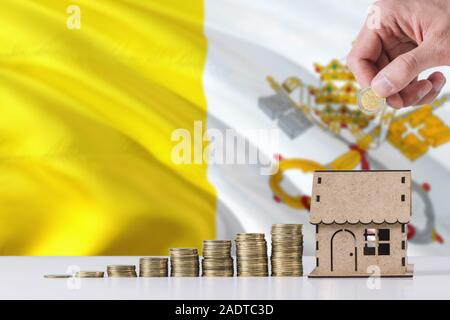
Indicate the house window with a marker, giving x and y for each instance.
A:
(377, 239)
(383, 234)
(369, 242)
(384, 247)
(319, 180)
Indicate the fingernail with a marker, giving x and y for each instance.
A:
(382, 86)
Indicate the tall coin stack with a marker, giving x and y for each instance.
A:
(251, 252)
(153, 267)
(121, 271)
(184, 262)
(287, 250)
(217, 260)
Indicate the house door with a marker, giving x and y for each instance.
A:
(343, 251)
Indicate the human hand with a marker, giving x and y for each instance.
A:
(412, 36)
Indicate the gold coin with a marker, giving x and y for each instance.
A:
(287, 250)
(121, 267)
(369, 103)
(217, 261)
(287, 226)
(183, 251)
(249, 236)
(153, 260)
(184, 262)
(119, 271)
(153, 267)
(217, 242)
(251, 255)
(89, 274)
(57, 276)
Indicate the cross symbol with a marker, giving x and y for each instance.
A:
(412, 130)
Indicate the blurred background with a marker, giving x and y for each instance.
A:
(92, 92)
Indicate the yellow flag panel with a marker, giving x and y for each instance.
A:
(89, 97)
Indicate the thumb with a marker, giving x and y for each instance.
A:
(401, 71)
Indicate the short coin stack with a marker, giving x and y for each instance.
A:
(184, 262)
(217, 260)
(287, 250)
(121, 271)
(251, 252)
(89, 274)
(153, 267)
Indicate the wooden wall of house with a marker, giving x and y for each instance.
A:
(343, 249)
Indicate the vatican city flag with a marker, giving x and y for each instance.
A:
(105, 106)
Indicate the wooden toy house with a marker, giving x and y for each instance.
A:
(360, 219)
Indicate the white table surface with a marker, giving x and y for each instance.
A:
(22, 278)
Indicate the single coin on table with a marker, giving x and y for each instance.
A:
(57, 276)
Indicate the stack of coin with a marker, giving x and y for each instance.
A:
(89, 274)
(217, 260)
(121, 271)
(251, 252)
(153, 267)
(287, 250)
(184, 262)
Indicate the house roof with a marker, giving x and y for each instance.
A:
(361, 197)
